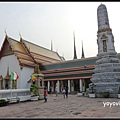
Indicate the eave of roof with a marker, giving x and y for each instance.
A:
(70, 63)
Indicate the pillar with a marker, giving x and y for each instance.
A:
(48, 85)
(58, 86)
(42, 81)
(40, 87)
(68, 86)
(52, 84)
(38, 82)
(81, 86)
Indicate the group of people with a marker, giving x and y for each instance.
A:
(64, 91)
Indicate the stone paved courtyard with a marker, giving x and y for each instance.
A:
(59, 107)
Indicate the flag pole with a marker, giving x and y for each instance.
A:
(11, 87)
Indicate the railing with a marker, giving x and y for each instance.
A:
(15, 95)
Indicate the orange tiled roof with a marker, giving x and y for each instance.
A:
(40, 54)
(20, 52)
(29, 54)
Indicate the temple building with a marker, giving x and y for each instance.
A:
(22, 57)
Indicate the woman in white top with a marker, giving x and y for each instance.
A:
(63, 91)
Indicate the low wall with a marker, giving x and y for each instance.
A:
(14, 93)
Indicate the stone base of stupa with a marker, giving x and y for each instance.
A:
(106, 76)
(107, 89)
(41, 92)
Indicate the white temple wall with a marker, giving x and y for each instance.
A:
(13, 64)
(26, 73)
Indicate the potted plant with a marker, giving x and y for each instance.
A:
(79, 93)
(119, 92)
(3, 102)
(92, 89)
(34, 92)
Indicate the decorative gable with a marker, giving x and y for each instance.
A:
(6, 49)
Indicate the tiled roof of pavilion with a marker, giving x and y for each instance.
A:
(27, 53)
(40, 54)
(70, 64)
(71, 69)
(23, 57)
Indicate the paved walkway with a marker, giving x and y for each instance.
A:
(59, 107)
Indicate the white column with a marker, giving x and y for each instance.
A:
(42, 81)
(38, 82)
(81, 86)
(68, 86)
(61, 84)
(48, 85)
(58, 86)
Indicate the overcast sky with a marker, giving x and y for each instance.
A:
(41, 22)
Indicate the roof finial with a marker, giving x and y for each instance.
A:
(63, 55)
(75, 56)
(6, 33)
(20, 35)
(57, 50)
(83, 56)
(51, 45)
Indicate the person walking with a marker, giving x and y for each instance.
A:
(63, 91)
(45, 95)
(50, 90)
(66, 89)
(56, 90)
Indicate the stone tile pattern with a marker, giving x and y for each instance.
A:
(59, 107)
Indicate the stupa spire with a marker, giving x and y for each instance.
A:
(83, 56)
(75, 55)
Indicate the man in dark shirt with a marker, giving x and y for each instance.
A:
(66, 89)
